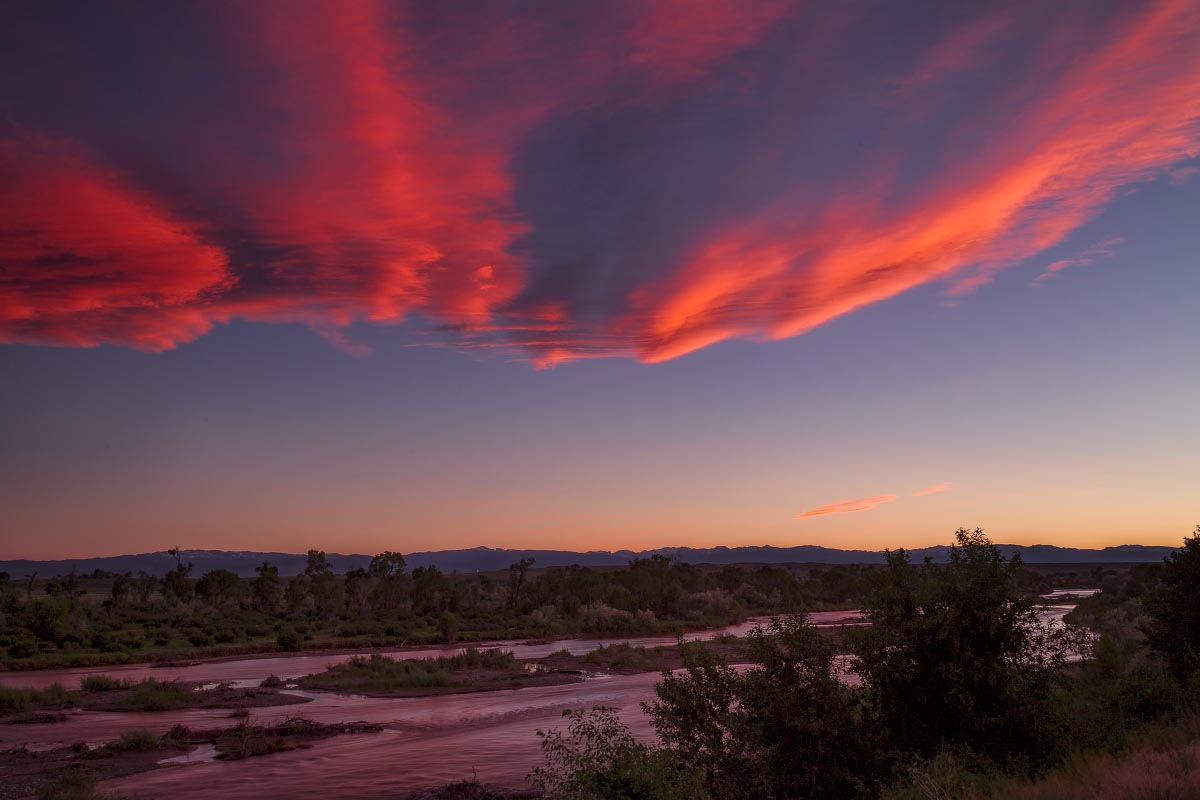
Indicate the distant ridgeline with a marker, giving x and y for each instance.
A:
(483, 559)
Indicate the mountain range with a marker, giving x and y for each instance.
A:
(485, 559)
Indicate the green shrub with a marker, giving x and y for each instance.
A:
(14, 699)
(136, 741)
(380, 674)
(154, 695)
(73, 783)
(53, 695)
(102, 683)
(289, 640)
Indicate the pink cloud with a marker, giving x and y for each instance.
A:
(1105, 249)
(848, 506)
(932, 489)
(393, 181)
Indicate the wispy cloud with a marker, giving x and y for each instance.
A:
(670, 175)
(1105, 249)
(848, 506)
(933, 489)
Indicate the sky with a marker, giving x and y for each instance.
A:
(416, 276)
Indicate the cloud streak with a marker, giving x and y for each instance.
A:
(932, 489)
(848, 506)
(626, 180)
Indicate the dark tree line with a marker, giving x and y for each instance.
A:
(955, 668)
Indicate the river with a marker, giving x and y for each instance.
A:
(426, 740)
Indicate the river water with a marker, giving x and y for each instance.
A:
(426, 741)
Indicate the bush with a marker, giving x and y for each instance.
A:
(621, 656)
(599, 759)
(787, 726)
(102, 683)
(12, 700)
(289, 640)
(956, 657)
(73, 783)
(136, 741)
(377, 673)
(154, 695)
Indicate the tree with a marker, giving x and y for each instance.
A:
(121, 588)
(144, 586)
(387, 568)
(217, 587)
(296, 594)
(266, 586)
(47, 618)
(322, 584)
(175, 584)
(598, 759)
(1173, 608)
(449, 625)
(358, 588)
(430, 590)
(8, 593)
(955, 656)
(786, 727)
(516, 578)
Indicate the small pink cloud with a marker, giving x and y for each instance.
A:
(1105, 249)
(933, 489)
(848, 506)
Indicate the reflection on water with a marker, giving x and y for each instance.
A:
(426, 740)
(250, 671)
(199, 753)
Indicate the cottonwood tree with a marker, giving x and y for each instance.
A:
(322, 583)
(955, 656)
(175, 584)
(266, 586)
(387, 568)
(217, 587)
(786, 726)
(1173, 609)
(516, 580)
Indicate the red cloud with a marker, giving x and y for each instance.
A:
(679, 39)
(848, 506)
(381, 178)
(1124, 114)
(385, 203)
(88, 259)
(933, 489)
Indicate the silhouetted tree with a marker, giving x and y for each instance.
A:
(786, 727)
(956, 656)
(358, 588)
(387, 568)
(1173, 609)
(266, 586)
(322, 584)
(516, 579)
(175, 584)
(121, 588)
(217, 587)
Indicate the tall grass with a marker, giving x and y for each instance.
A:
(103, 683)
(136, 741)
(1163, 764)
(13, 700)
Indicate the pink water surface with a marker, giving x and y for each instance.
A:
(426, 741)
